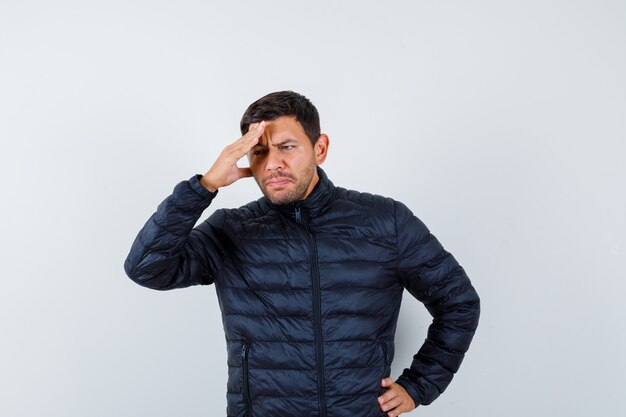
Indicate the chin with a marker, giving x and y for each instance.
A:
(288, 194)
(281, 197)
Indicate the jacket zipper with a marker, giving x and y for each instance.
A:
(246, 387)
(317, 315)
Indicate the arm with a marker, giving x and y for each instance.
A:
(434, 277)
(168, 252)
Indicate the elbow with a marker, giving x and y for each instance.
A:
(476, 311)
(463, 309)
(470, 306)
(145, 278)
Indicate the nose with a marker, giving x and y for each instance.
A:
(274, 160)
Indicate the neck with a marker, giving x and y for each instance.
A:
(314, 181)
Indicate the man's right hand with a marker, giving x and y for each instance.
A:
(225, 170)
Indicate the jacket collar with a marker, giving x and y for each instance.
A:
(314, 204)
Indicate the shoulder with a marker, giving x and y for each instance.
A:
(381, 212)
(372, 214)
(372, 203)
(254, 211)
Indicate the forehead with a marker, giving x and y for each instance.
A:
(283, 128)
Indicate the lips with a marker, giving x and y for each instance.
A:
(277, 182)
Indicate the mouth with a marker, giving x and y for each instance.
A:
(277, 182)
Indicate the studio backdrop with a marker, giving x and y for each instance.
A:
(500, 124)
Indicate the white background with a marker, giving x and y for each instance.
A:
(501, 124)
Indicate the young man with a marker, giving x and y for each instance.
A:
(309, 277)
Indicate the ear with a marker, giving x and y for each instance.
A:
(321, 149)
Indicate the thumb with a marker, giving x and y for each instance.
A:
(386, 382)
(244, 172)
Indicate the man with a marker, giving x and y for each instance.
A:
(309, 277)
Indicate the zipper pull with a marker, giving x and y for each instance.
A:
(244, 351)
(298, 214)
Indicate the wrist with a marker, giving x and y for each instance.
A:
(207, 184)
(410, 389)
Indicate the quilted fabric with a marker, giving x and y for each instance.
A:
(310, 295)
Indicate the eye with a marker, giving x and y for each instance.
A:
(287, 147)
(259, 152)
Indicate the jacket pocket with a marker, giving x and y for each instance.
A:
(245, 349)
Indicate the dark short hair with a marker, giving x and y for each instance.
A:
(283, 103)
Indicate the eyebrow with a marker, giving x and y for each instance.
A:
(284, 142)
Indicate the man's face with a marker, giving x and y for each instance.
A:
(284, 161)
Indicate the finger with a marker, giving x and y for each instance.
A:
(253, 126)
(241, 147)
(256, 130)
(247, 143)
(244, 172)
(387, 382)
(389, 395)
(250, 139)
(402, 408)
(254, 133)
(391, 404)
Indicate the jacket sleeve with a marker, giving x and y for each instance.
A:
(434, 277)
(168, 252)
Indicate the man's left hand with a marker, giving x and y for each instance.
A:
(395, 400)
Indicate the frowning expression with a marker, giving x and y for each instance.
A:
(284, 160)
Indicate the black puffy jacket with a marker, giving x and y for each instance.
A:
(310, 295)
